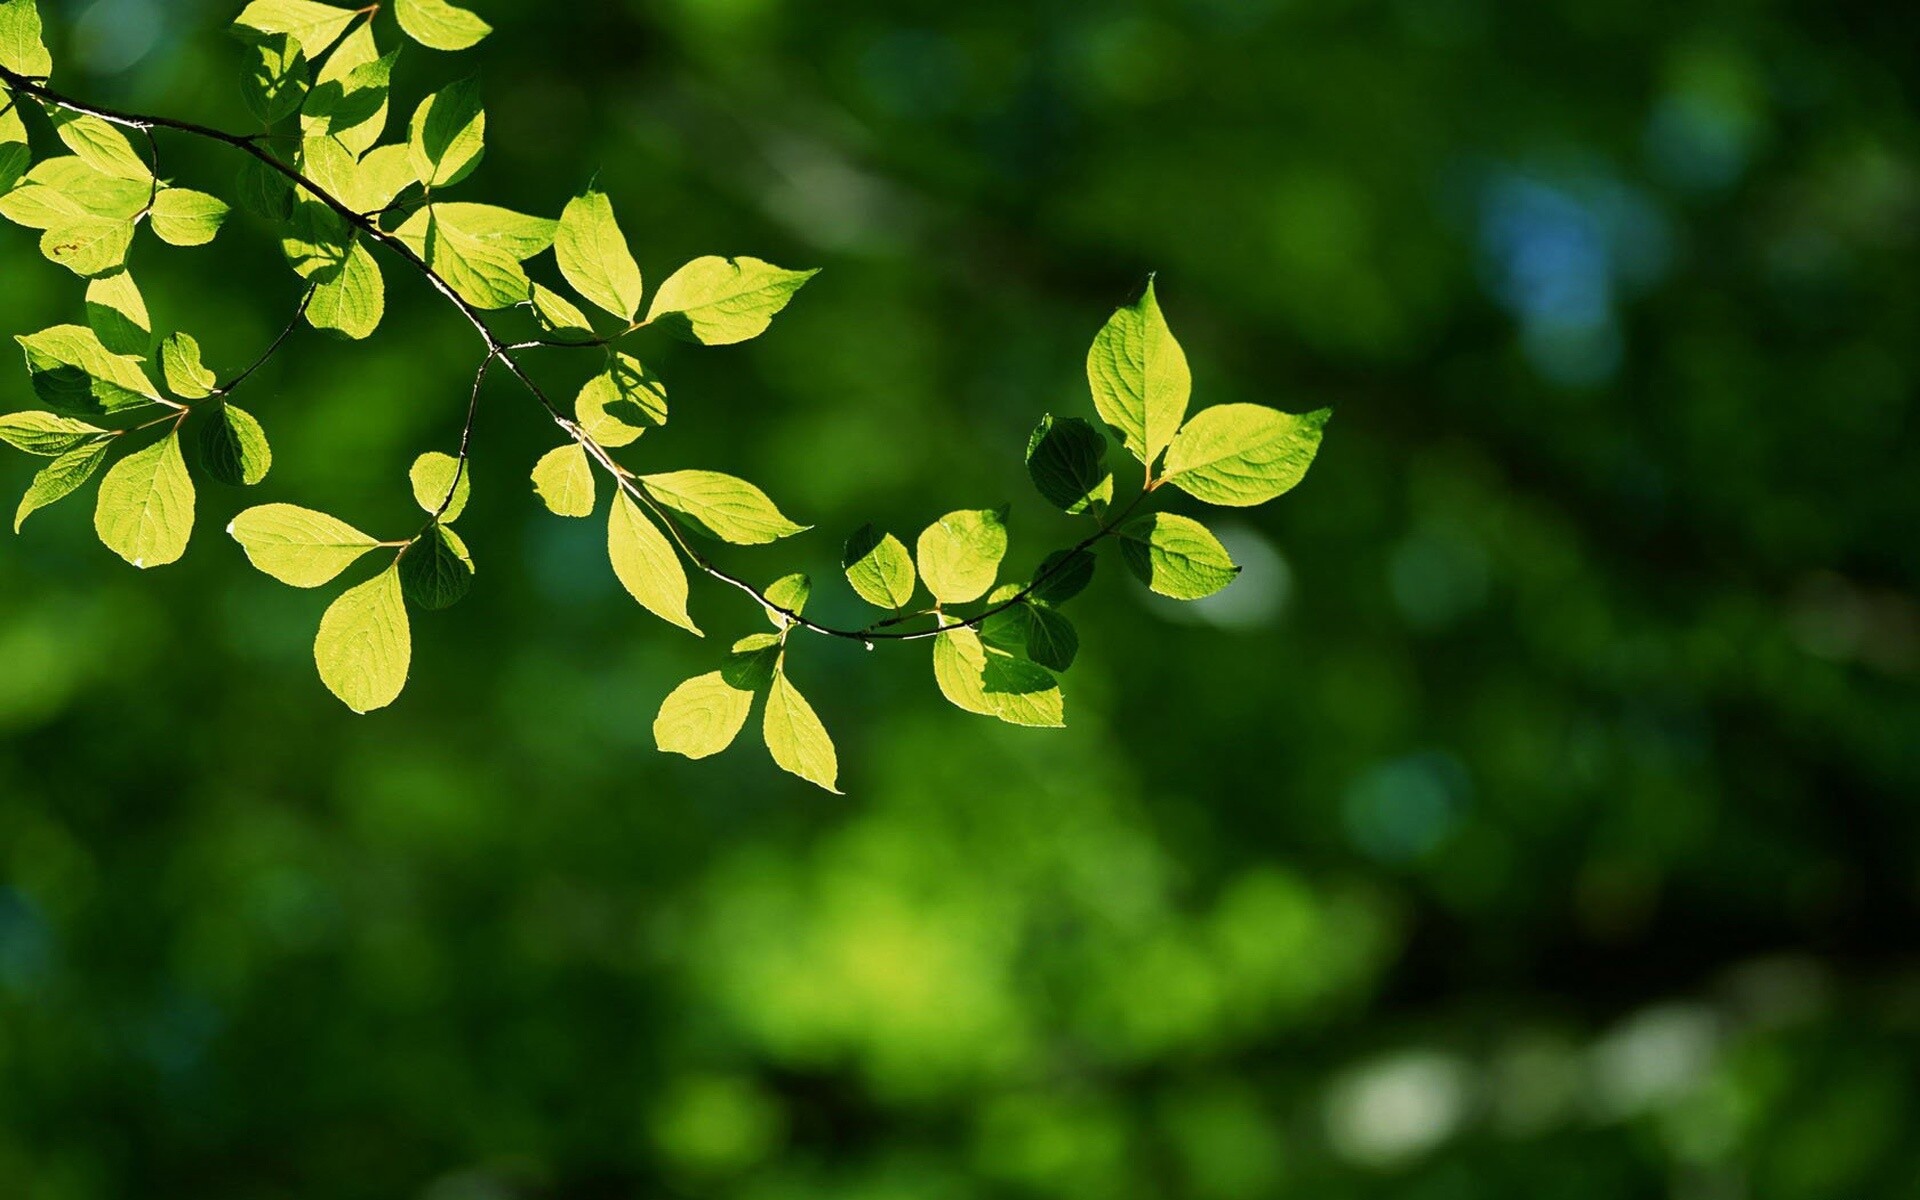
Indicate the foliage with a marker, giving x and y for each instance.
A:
(314, 76)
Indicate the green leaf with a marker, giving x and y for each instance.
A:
(752, 662)
(563, 479)
(316, 240)
(1062, 576)
(180, 365)
(1243, 454)
(145, 510)
(88, 246)
(1067, 461)
(879, 568)
(702, 716)
(796, 738)
(720, 301)
(622, 402)
(118, 316)
(438, 25)
(21, 50)
(478, 249)
(558, 315)
(1175, 556)
(298, 546)
(1139, 377)
(275, 82)
(263, 191)
(15, 154)
(594, 258)
(788, 593)
(436, 571)
(381, 175)
(985, 680)
(314, 26)
(960, 554)
(102, 146)
(233, 447)
(721, 506)
(448, 135)
(183, 217)
(348, 101)
(60, 478)
(364, 646)
(46, 434)
(61, 190)
(646, 564)
(1031, 631)
(114, 381)
(351, 299)
(441, 485)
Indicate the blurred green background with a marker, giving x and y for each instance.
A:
(1536, 817)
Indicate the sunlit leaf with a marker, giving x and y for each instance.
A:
(187, 377)
(88, 246)
(112, 381)
(563, 479)
(62, 190)
(182, 217)
(145, 509)
(622, 402)
(796, 738)
(46, 434)
(985, 680)
(364, 646)
(102, 146)
(441, 485)
(438, 25)
(447, 135)
(594, 258)
(275, 82)
(1243, 454)
(959, 555)
(351, 299)
(21, 49)
(1176, 556)
(702, 716)
(1139, 377)
(60, 478)
(314, 26)
(646, 564)
(478, 249)
(117, 313)
(348, 100)
(720, 301)
(787, 594)
(721, 506)
(298, 546)
(233, 447)
(879, 568)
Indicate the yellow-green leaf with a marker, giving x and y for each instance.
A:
(563, 479)
(364, 646)
(145, 509)
(448, 135)
(21, 49)
(702, 716)
(1139, 377)
(720, 301)
(646, 564)
(187, 377)
(117, 314)
(622, 402)
(593, 256)
(183, 217)
(721, 506)
(1243, 454)
(46, 434)
(298, 546)
(879, 568)
(438, 25)
(233, 447)
(314, 26)
(960, 554)
(441, 485)
(1176, 556)
(60, 478)
(796, 738)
